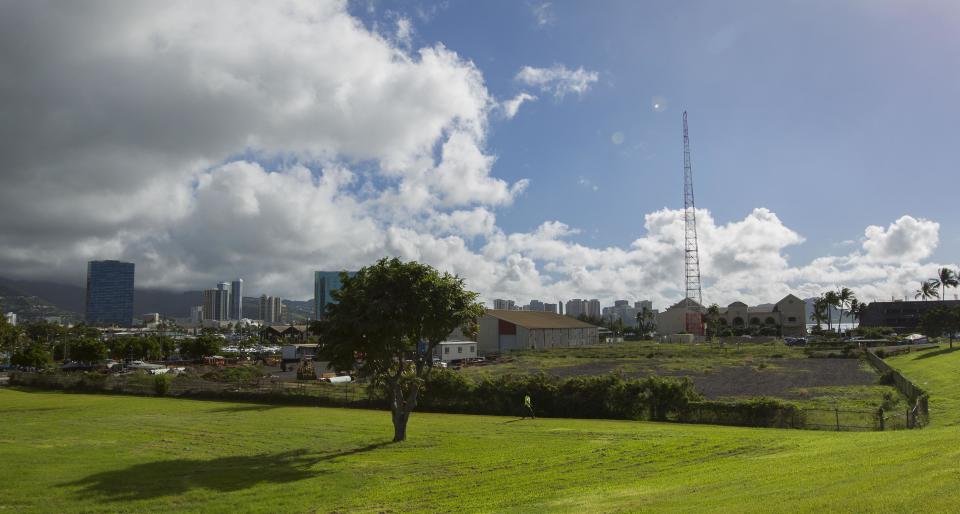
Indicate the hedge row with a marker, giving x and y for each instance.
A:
(610, 396)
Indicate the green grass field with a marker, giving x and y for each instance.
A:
(937, 372)
(96, 453)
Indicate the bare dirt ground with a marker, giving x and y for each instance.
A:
(781, 378)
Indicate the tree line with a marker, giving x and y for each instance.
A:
(40, 344)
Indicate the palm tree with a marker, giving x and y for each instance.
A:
(832, 300)
(844, 297)
(819, 311)
(946, 277)
(643, 322)
(713, 317)
(857, 309)
(928, 289)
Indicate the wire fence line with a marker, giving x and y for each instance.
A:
(919, 414)
(356, 394)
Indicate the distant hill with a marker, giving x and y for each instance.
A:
(30, 307)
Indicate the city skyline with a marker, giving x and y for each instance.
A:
(550, 172)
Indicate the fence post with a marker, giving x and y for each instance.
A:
(880, 417)
(836, 411)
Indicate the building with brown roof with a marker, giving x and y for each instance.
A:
(502, 331)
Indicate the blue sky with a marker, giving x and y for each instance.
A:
(271, 140)
(834, 115)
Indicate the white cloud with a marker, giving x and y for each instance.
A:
(511, 106)
(313, 143)
(558, 79)
(907, 239)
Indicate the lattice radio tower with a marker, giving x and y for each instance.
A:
(694, 321)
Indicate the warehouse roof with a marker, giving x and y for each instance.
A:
(535, 319)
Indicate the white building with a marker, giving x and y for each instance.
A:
(534, 305)
(504, 305)
(455, 350)
(10, 318)
(502, 331)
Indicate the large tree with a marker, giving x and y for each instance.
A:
(387, 321)
(833, 300)
(941, 321)
(205, 345)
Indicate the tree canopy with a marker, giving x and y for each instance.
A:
(386, 322)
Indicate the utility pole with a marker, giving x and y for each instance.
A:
(693, 315)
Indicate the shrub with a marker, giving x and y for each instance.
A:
(609, 396)
(756, 412)
(887, 378)
(161, 384)
(880, 353)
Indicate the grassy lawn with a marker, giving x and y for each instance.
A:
(97, 453)
(937, 372)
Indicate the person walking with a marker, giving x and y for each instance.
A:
(528, 407)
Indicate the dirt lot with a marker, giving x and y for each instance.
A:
(781, 378)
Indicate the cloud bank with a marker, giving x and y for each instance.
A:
(272, 140)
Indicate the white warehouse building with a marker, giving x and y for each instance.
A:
(502, 331)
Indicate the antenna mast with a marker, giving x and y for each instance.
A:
(694, 321)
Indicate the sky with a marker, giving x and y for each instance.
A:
(533, 148)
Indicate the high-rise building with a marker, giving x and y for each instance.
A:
(236, 299)
(504, 305)
(535, 305)
(643, 303)
(216, 303)
(623, 312)
(196, 314)
(550, 307)
(574, 308)
(109, 297)
(593, 309)
(271, 309)
(324, 284)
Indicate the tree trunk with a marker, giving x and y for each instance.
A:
(401, 407)
(400, 426)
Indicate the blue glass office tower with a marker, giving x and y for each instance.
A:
(109, 299)
(324, 283)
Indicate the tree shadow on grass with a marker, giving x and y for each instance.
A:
(928, 354)
(225, 474)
